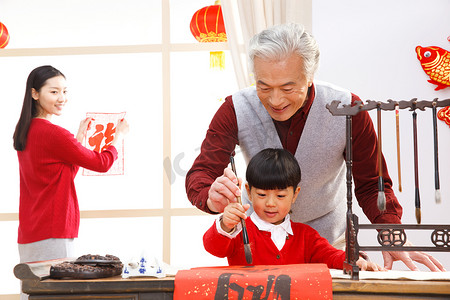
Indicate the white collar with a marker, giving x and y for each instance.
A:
(278, 232)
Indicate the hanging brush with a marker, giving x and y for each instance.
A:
(436, 160)
(397, 126)
(381, 201)
(416, 169)
(247, 250)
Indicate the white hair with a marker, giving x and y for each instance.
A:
(280, 41)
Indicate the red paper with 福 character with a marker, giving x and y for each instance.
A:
(296, 281)
(100, 135)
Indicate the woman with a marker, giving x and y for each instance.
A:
(49, 158)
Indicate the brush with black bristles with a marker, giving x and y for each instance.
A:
(399, 168)
(381, 201)
(416, 169)
(436, 159)
(247, 250)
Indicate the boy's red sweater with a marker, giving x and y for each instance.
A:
(305, 246)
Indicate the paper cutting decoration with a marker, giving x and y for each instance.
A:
(297, 281)
(435, 62)
(444, 115)
(207, 26)
(4, 36)
(100, 135)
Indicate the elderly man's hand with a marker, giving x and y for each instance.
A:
(408, 258)
(223, 191)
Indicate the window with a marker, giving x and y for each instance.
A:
(136, 56)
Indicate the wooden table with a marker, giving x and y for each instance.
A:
(38, 285)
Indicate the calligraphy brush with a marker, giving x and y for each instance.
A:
(381, 201)
(416, 169)
(247, 250)
(436, 161)
(397, 125)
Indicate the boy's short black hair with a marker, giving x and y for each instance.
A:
(272, 169)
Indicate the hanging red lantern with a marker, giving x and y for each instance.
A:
(4, 36)
(207, 26)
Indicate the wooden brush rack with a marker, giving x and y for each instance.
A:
(391, 237)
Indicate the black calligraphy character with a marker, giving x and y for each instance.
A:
(239, 289)
(258, 290)
(282, 287)
(224, 286)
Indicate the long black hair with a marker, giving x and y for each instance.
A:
(36, 80)
(272, 169)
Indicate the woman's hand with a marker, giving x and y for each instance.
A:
(122, 129)
(85, 125)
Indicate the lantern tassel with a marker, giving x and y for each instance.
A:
(217, 60)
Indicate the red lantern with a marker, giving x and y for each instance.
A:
(207, 26)
(4, 36)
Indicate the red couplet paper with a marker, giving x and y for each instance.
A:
(100, 135)
(297, 281)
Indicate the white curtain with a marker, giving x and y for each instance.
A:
(245, 18)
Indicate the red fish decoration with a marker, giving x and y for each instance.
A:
(435, 62)
(444, 115)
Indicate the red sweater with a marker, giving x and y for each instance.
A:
(304, 246)
(48, 165)
(222, 137)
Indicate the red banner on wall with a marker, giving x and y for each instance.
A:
(299, 281)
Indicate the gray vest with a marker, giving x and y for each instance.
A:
(322, 199)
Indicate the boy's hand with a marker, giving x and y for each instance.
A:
(365, 265)
(232, 215)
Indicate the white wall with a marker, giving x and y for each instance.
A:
(368, 47)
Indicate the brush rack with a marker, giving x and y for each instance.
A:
(391, 237)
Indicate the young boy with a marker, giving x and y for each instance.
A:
(272, 177)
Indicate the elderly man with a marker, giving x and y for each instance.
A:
(286, 109)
